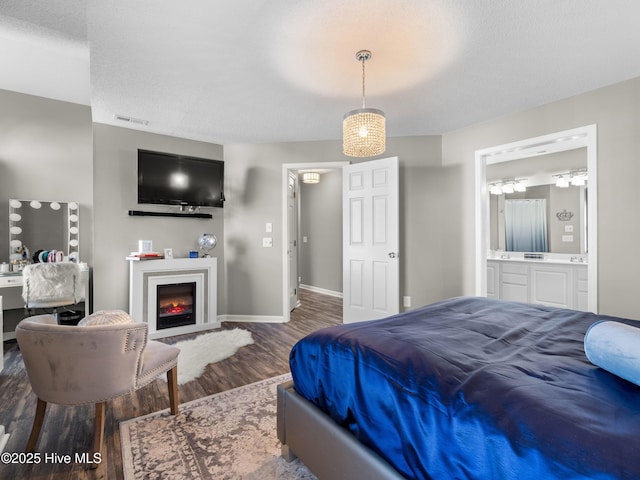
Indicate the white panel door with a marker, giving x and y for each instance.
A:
(370, 240)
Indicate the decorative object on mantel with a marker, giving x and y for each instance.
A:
(137, 256)
(243, 443)
(145, 246)
(363, 129)
(564, 216)
(207, 242)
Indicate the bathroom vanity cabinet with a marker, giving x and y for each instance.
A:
(557, 284)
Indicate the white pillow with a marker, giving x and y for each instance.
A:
(106, 317)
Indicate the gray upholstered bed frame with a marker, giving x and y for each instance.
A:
(327, 449)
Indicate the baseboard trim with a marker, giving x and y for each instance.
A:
(251, 318)
(321, 290)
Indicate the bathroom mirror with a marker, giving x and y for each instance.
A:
(542, 217)
(537, 148)
(43, 225)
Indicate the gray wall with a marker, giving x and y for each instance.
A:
(616, 111)
(117, 233)
(254, 197)
(321, 223)
(45, 154)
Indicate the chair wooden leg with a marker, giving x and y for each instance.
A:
(41, 409)
(98, 433)
(172, 383)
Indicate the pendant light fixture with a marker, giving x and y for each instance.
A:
(363, 129)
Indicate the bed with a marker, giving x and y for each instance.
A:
(466, 388)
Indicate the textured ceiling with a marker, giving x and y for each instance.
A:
(274, 71)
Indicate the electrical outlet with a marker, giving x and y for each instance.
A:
(406, 301)
(267, 242)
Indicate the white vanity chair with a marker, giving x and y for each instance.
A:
(51, 285)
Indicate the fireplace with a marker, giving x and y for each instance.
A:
(176, 305)
(174, 296)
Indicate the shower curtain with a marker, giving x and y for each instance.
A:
(526, 225)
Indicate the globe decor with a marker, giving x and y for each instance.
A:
(207, 242)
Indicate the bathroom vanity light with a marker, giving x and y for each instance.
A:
(577, 178)
(507, 185)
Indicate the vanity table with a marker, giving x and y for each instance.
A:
(11, 292)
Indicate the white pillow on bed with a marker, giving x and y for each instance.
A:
(613, 346)
(106, 317)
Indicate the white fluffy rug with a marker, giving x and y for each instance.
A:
(197, 353)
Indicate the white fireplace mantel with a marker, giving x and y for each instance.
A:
(146, 275)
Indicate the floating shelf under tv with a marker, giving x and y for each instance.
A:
(140, 213)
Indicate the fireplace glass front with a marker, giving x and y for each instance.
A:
(176, 305)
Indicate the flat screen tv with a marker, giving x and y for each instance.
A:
(169, 179)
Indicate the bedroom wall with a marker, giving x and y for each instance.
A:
(117, 233)
(616, 111)
(321, 223)
(45, 154)
(254, 197)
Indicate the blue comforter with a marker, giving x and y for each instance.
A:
(473, 388)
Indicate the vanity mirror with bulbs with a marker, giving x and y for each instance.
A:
(536, 223)
(39, 231)
(43, 226)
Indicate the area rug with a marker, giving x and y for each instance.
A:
(197, 353)
(230, 435)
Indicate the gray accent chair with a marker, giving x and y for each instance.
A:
(73, 365)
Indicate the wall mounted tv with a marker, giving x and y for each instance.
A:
(169, 179)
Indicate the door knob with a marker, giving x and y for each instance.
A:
(393, 255)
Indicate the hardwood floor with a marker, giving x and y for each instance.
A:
(68, 430)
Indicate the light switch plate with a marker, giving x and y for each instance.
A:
(269, 227)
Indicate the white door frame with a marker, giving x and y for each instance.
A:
(554, 142)
(286, 168)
